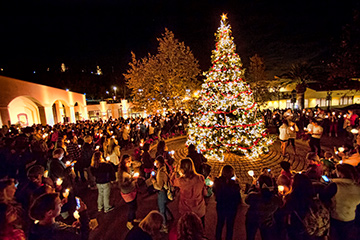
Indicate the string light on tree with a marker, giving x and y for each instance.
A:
(227, 120)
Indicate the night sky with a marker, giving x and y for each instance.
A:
(82, 34)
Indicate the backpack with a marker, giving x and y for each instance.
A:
(170, 190)
(317, 220)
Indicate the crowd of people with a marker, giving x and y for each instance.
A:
(41, 165)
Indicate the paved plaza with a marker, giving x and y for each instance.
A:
(113, 225)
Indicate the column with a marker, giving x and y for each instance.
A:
(5, 116)
(72, 114)
(49, 116)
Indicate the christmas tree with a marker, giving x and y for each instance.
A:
(227, 120)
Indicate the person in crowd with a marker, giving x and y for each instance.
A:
(148, 229)
(284, 136)
(45, 209)
(227, 194)
(298, 205)
(196, 157)
(58, 169)
(8, 215)
(37, 185)
(161, 183)
(104, 173)
(328, 163)
(285, 169)
(162, 150)
(128, 188)
(189, 227)
(147, 161)
(113, 152)
(87, 152)
(292, 131)
(263, 204)
(74, 151)
(316, 133)
(7, 190)
(333, 119)
(192, 189)
(344, 194)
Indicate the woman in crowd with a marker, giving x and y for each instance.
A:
(227, 193)
(189, 228)
(113, 152)
(344, 193)
(284, 136)
(147, 161)
(162, 150)
(128, 188)
(148, 229)
(298, 205)
(293, 129)
(192, 189)
(7, 191)
(8, 215)
(262, 206)
(104, 173)
(161, 183)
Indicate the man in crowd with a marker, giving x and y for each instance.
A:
(45, 209)
(316, 133)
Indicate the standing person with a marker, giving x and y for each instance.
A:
(299, 204)
(192, 189)
(58, 169)
(161, 183)
(284, 136)
(128, 188)
(8, 215)
(148, 229)
(316, 133)
(344, 194)
(293, 129)
(45, 209)
(113, 153)
(262, 207)
(162, 150)
(87, 152)
(104, 173)
(147, 161)
(333, 119)
(197, 158)
(227, 193)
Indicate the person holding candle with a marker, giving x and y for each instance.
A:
(161, 183)
(45, 209)
(284, 136)
(262, 206)
(293, 129)
(104, 173)
(228, 198)
(113, 152)
(192, 189)
(128, 188)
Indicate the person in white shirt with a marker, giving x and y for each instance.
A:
(316, 133)
(293, 129)
(284, 135)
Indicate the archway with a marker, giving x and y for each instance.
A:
(61, 112)
(26, 111)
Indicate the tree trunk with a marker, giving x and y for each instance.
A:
(300, 92)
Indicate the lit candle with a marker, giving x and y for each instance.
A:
(281, 188)
(46, 173)
(341, 149)
(211, 183)
(251, 173)
(76, 214)
(59, 181)
(66, 193)
(136, 175)
(107, 158)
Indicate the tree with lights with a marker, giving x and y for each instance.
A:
(227, 120)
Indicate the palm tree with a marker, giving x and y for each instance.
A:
(301, 75)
